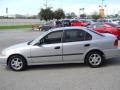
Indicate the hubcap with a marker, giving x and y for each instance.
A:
(16, 63)
(95, 59)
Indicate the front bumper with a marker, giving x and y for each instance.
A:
(3, 59)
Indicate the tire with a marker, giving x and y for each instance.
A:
(118, 37)
(94, 59)
(17, 63)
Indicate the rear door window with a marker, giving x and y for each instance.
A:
(75, 35)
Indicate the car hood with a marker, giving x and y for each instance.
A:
(16, 48)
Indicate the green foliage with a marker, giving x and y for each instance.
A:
(46, 14)
(58, 14)
(83, 15)
(71, 15)
(95, 16)
(15, 27)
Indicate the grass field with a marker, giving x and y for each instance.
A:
(15, 27)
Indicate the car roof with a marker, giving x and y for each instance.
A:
(68, 28)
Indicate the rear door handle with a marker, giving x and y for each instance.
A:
(87, 45)
(57, 47)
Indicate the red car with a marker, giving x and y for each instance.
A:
(108, 28)
(78, 23)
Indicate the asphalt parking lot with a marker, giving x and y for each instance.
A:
(56, 77)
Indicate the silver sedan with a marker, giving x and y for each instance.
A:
(62, 45)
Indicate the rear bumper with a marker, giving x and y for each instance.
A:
(111, 53)
(3, 59)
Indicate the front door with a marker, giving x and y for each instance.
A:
(50, 50)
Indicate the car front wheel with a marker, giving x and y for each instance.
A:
(17, 63)
(94, 59)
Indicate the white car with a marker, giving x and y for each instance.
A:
(62, 45)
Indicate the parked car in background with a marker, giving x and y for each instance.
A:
(79, 23)
(66, 22)
(62, 45)
(114, 21)
(108, 28)
(58, 23)
(48, 25)
(45, 27)
(85, 23)
(76, 23)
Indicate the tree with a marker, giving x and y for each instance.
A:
(116, 15)
(68, 15)
(46, 14)
(95, 16)
(83, 15)
(58, 14)
(71, 15)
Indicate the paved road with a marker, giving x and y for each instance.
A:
(11, 37)
(56, 77)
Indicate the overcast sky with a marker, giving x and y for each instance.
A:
(32, 7)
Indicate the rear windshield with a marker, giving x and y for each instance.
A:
(113, 25)
(96, 32)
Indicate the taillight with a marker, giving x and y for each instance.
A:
(116, 43)
(118, 28)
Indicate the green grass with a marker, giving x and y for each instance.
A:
(15, 27)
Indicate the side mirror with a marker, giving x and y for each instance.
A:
(37, 44)
(40, 42)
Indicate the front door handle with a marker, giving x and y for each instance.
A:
(57, 47)
(87, 45)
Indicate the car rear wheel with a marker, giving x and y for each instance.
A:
(118, 37)
(94, 59)
(17, 63)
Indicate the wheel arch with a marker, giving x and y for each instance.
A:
(93, 50)
(18, 55)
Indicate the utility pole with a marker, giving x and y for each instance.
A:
(46, 3)
(81, 10)
(7, 12)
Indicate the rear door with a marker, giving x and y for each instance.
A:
(75, 43)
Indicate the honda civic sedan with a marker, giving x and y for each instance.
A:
(62, 45)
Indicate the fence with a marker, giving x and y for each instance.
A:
(6, 22)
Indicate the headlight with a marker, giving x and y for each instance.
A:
(3, 52)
